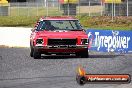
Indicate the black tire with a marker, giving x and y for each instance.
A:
(36, 54)
(31, 51)
(83, 54)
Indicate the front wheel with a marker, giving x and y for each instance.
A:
(31, 51)
(83, 54)
(36, 54)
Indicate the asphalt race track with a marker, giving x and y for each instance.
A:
(19, 70)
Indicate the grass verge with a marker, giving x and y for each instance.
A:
(98, 22)
(16, 21)
(106, 22)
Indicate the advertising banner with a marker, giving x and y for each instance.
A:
(68, 1)
(112, 1)
(110, 40)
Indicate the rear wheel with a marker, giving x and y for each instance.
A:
(36, 54)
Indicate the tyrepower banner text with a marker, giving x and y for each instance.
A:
(110, 41)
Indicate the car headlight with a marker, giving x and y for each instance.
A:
(84, 41)
(39, 41)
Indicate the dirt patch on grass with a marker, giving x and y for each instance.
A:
(118, 22)
(90, 9)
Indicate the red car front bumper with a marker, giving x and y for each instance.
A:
(61, 48)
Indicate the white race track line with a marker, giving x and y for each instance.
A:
(15, 36)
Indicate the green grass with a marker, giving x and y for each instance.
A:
(98, 22)
(13, 21)
(105, 22)
(27, 17)
(34, 11)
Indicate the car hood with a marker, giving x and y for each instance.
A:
(62, 34)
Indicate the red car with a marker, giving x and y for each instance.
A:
(58, 35)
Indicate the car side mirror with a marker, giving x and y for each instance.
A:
(84, 29)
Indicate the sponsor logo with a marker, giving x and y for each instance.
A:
(83, 78)
(110, 41)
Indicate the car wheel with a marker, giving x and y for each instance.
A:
(83, 54)
(31, 51)
(36, 54)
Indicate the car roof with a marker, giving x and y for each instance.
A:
(58, 18)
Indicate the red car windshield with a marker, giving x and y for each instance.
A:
(59, 25)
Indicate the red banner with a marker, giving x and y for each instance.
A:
(61, 1)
